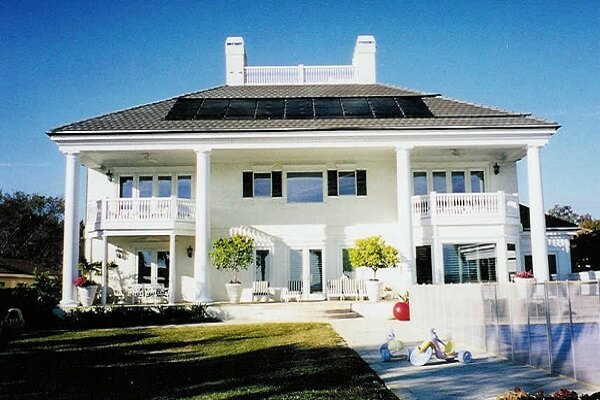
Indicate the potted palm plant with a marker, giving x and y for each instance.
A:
(86, 286)
(233, 254)
(374, 253)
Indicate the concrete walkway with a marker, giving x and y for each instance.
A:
(485, 378)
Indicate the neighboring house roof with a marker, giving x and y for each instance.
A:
(445, 113)
(20, 267)
(552, 223)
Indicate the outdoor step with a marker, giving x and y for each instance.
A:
(289, 312)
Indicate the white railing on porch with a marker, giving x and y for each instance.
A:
(465, 204)
(301, 74)
(145, 209)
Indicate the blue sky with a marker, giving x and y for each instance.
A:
(65, 61)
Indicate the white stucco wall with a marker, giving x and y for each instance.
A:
(329, 226)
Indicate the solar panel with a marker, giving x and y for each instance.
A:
(241, 109)
(413, 107)
(270, 109)
(356, 107)
(328, 108)
(184, 109)
(385, 107)
(212, 109)
(299, 109)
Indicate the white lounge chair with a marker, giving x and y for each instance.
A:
(260, 289)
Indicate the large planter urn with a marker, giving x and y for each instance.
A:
(234, 292)
(373, 288)
(86, 295)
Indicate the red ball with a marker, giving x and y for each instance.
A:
(401, 311)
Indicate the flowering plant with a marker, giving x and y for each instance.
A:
(524, 274)
(82, 282)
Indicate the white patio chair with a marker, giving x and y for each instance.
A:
(260, 289)
(334, 289)
(293, 291)
(350, 288)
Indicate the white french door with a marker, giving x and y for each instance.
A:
(153, 266)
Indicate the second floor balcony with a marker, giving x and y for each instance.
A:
(140, 213)
(465, 208)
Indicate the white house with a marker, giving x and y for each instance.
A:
(305, 159)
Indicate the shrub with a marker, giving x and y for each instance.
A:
(36, 302)
(127, 316)
(564, 394)
(232, 254)
(374, 253)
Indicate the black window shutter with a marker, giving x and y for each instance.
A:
(361, 182)
(332, 183)
(276, 184)
(248, 187)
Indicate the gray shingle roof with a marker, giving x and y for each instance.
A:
(447, 113)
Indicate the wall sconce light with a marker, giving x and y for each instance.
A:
(496, 169)
(109, 175)
(190, 251)
(120, 254)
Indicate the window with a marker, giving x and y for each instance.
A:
(419, 183)
(145, 186)
(164, 186)
(346, 265)
(477, 182)
(295, 265)
(304, 187)
(551, 263)
(126, 187)
(184, 187)
(261, 184)
(153, 267)
(347, 183)
(439, 182)
(465, 263)
(458, 182)
(263, 265)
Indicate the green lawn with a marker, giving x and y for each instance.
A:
(275, 361)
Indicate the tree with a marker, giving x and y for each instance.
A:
(232, 254)
(565, 213)
(31, 228)
(374, 253)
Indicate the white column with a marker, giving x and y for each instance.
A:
(71, 230)
(201, 260)
(403, 183)
(539, 248)
(172, 268)
(104, 268)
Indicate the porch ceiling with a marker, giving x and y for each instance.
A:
(167, 158)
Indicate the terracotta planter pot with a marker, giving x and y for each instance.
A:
(401, 311)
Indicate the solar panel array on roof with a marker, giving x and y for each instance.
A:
(298, 108)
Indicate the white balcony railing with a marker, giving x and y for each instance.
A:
(435, 205)
(301, 74)
(140, 210)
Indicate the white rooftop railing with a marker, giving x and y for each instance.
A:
(301, 74)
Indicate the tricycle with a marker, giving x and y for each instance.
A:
(442, 351)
